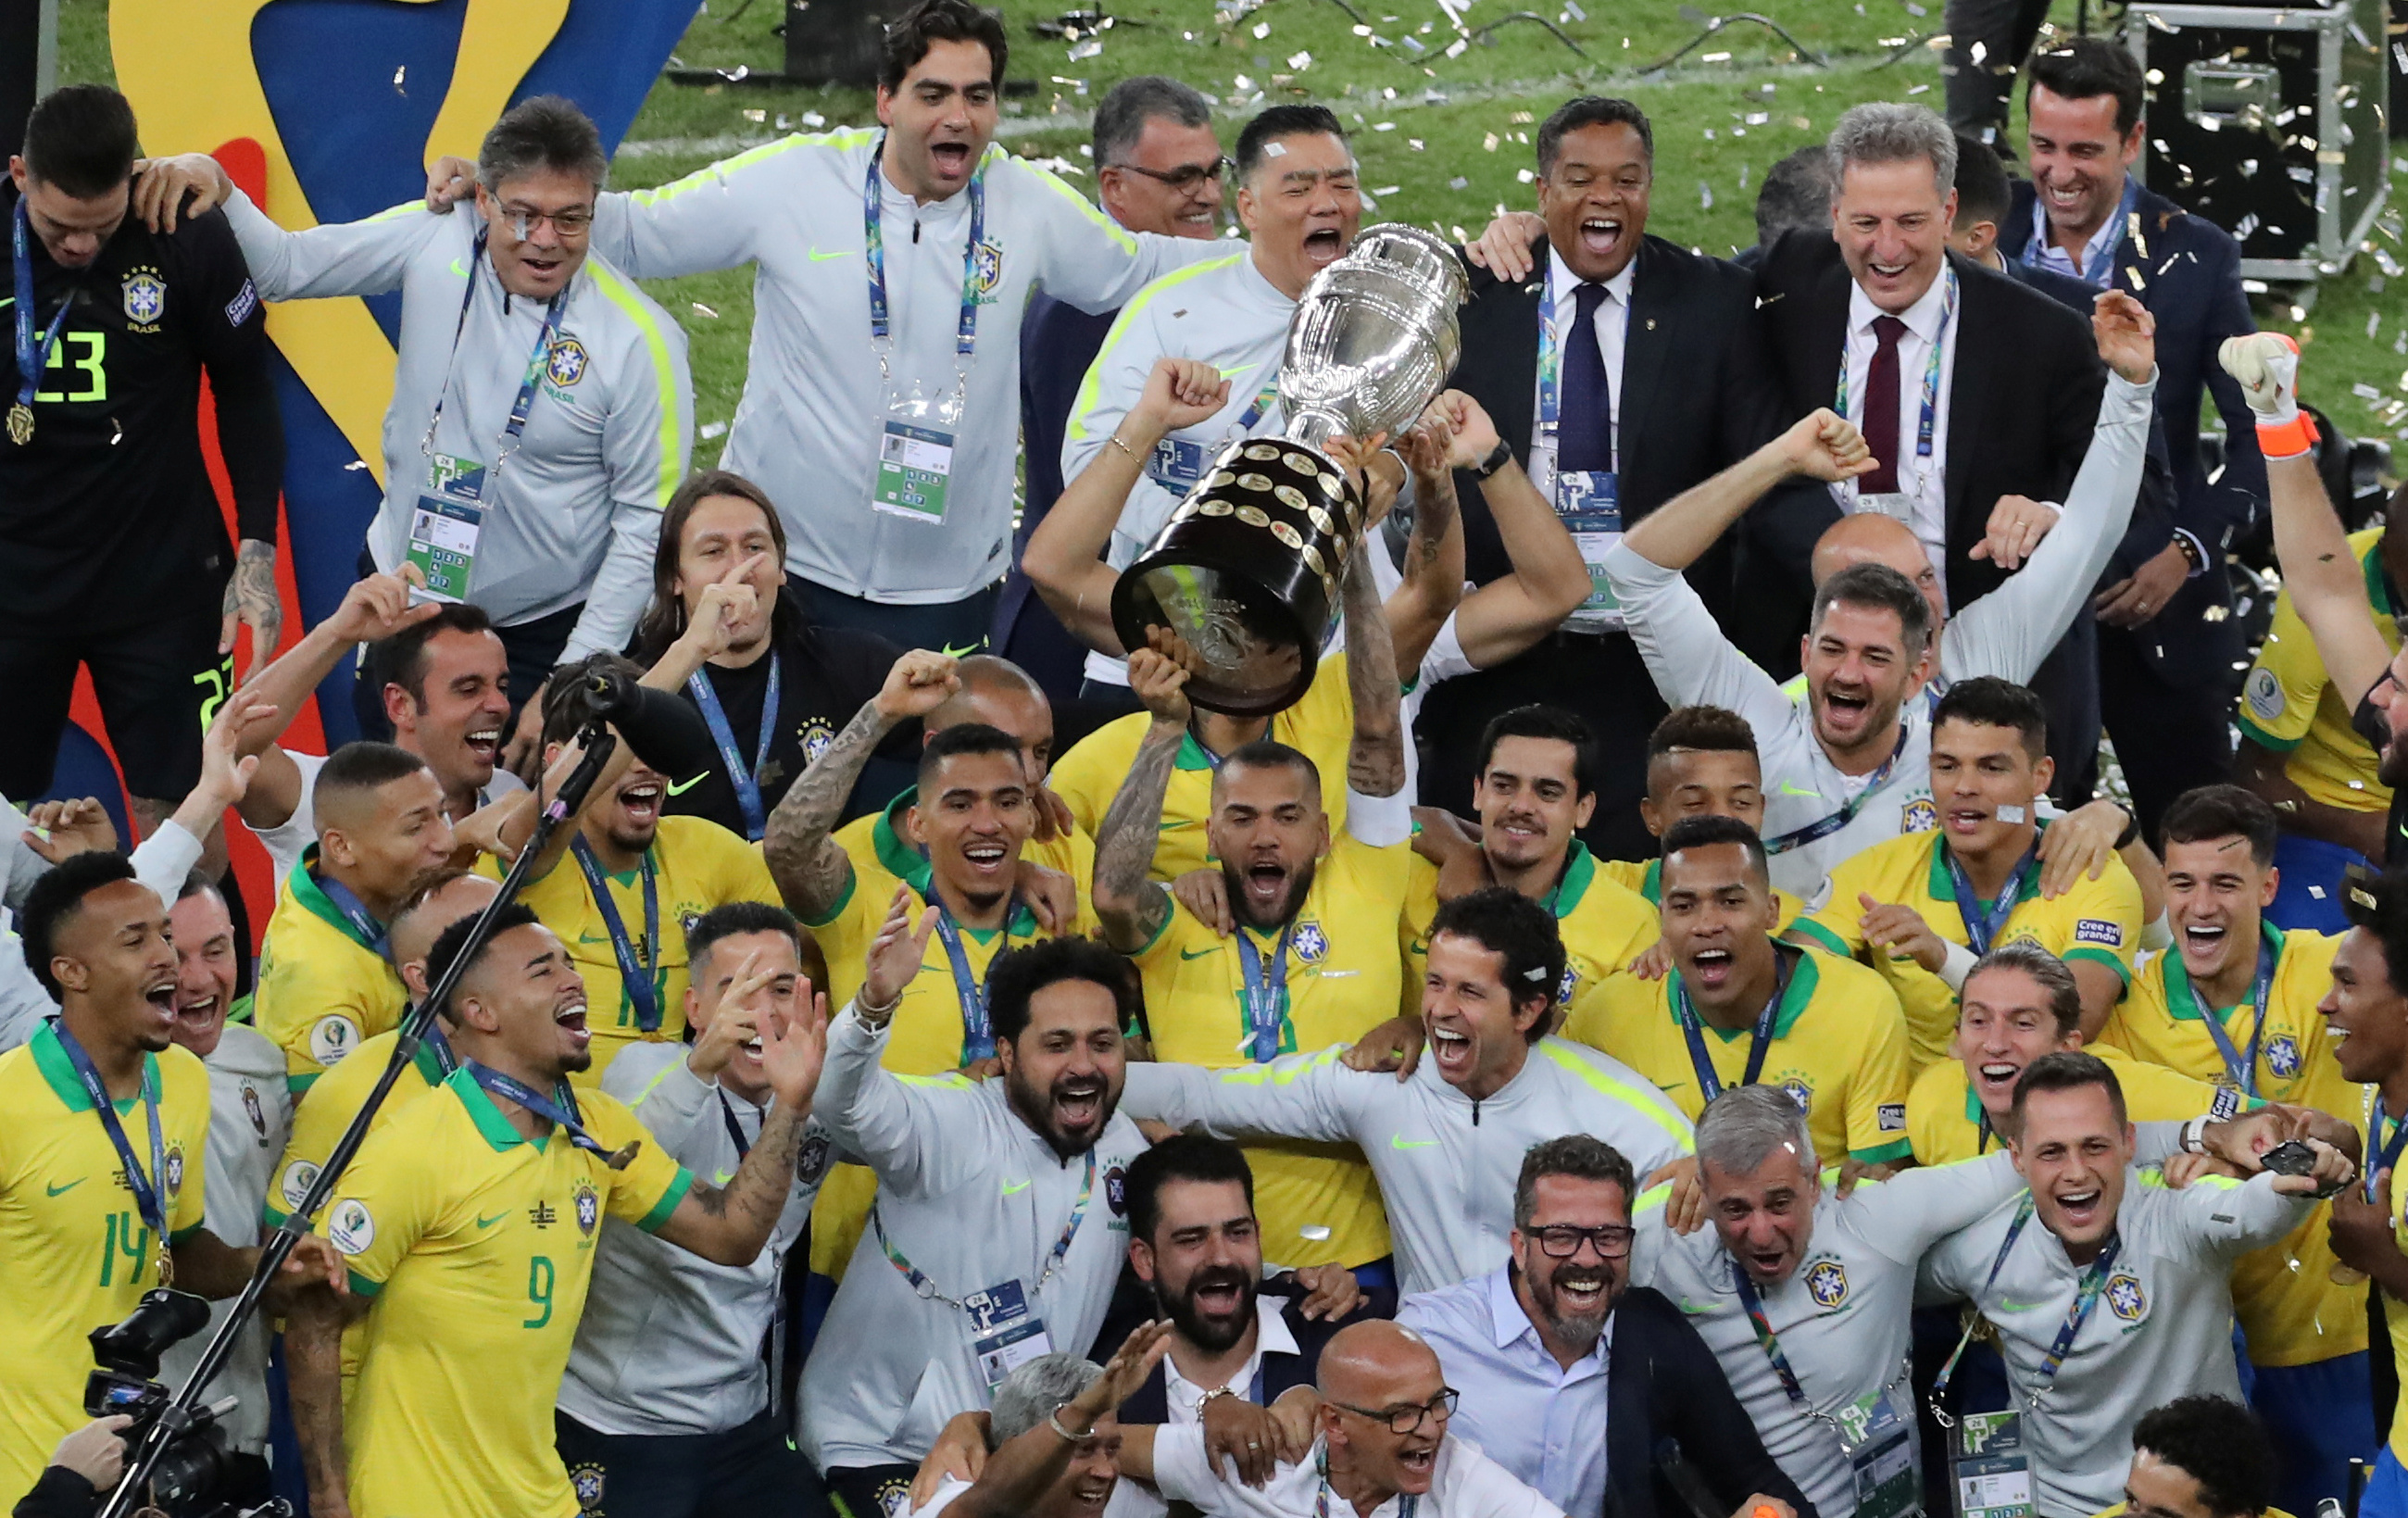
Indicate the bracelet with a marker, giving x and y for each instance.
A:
(2131, 831)
(2192, 1141)
(1206, 1400)
(1114, 439)
(2286, 439)
(876, 1017)
(1053, 1421)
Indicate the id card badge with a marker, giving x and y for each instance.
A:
(1990, 1467)
(1004, 1334)
(1881, 1458)
(1590, 501)
(915, 471)
(1892, 503)
(1177, 464)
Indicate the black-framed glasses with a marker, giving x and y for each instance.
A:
(1562, 1241)
(1406, 1419)
(1185, 177)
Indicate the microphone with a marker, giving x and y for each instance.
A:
(663, 729)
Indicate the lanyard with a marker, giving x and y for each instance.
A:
(439, 1046)
(372, 933)
(1407, 1505)
(874, 243)
(1551, 400)
(746, 778)
(1818, 831)
(561, 1114)
(978, 1033)
(927, 1290)
(1984, 918)
(1927, 419)
(522, 405)
(2239, 1069)
(634, 973)
(1266, 995)
(149, 1191)
(2085, 1297)
(735, 1129)
(1710, 1084)
(31, 354)
(1754, 1306)
(2386, 1151)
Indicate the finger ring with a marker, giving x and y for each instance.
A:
(1254, 1444)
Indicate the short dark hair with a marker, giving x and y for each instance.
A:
(81, 141)
(1126, 106)
(1271, 753)
(735, 919)
(1704, 729)
(56, 897)
(2046, 970)
(2084, 67)
(198, 884)
(1578, 1156)
(1982, 190)
(543, 132)
(454, 940)
(1987, 701)
(1276, 122)
(1878, 587)
(1544, 721)
(1182, 1156)
(1795, 194)
(2221, 811)
(1591, 110)
(362, 766)
(1518, 930)
(1706, 831)
(964, 738)
(401, 659)
(1017, 975)
(2219, 1444)
(569, 702)
(2068, 1069)
(911, 35)
(2377, 901)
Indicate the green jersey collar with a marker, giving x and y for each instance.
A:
(2181, 1004)
(1940, 887)
(51, 1058)
(910, 866)
(312, 897)
(1802, 981)
(2378, 583)
(1580, 868)
(1650, 884)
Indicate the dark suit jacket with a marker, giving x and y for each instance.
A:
(1281, 1372)
(2188, 274)
(1693, 399)
(1665, 1388)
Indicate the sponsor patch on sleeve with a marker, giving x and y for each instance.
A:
(238, 309)
(2265, 694)
(1891, 1117)
(2099, 930)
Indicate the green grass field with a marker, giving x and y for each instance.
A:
(1441, 123)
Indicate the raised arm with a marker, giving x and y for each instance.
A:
(1294, 1096)
(1375, 756)
(1018, 1475)
(804, 858)
(366, 257)
(1129, 903)
(2322, 576)
(1678, 533)
(375, 607)
(1549, 580)
(1432, 587)
(730, 1226)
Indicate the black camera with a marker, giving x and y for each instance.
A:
(191, 1471)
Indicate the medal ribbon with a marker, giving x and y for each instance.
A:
(745, 779)
(1817, 831)
(561, 1114)
(1266, 995)
(2239, 1069)
(1984, 918)
(149, 1191)
(31, 354)
(1710, 1084)
(1929, 418)
(642, 992)
(522, 407)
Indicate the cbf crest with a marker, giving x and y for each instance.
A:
(2125, 1297)
(1827, 1283)
(1920, 816)
(586, 1482)
(566, 365)
(815, 736)
(1311, 943)
(2282, 1056)
(145, 299)
(987, 268)
(589, 1208)
(175, 1171)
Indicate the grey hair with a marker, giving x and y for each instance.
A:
(1036, 1391)
(1887, 133)
(2052, 975)
(546, 132)
(1126, 106)
(1743, 1128)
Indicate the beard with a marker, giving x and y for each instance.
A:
(1300, 885)
(1577, 1328)
(1210, 1335)
(1036, 1109)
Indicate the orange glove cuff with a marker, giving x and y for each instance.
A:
(2287, 439)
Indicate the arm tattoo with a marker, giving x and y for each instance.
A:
(809, 865)
(1125, 845)
(1375, 760)
(755, 1196)
(313, 1350)
(1434, 510)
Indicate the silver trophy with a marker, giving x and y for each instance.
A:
(1246, 570)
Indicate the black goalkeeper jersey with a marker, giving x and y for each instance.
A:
(107, 516)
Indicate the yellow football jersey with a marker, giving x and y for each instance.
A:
(333, 1101)
(2288, 706)
(475, 1245)
(929, 1035)
(697, 864)
(74, 1249)
(323, 989)
(1945, 1122)
(1318, 1203)
(1646, 877)
(1603, 924)
(1320, 727)
(2288, 1305)
(2395, 1312)
(2097, 920)
(1838, 1048)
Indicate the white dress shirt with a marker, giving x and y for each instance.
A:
(1608, 331)
(1185, 1398)
(1464, 1483)
(1923, 480)
(1544, 1423)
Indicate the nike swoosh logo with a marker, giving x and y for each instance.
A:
(818, 257)
(60, 1191)
(588, 937)
(1013, 1188)
(2008, 1304)
(964, 651)
(1696, 1309)
(487, 1222)
(680, 788)
(1198, 954)
(1788, 789)
(459, 268)
(1400, 1141)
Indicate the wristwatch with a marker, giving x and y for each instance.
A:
(1499, 456)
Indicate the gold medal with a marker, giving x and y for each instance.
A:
(167, 1265)
(20, 423)
(2342, 1275)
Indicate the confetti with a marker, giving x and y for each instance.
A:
(1714, 58)
(397, 76)
(700, 309)
(1081, 51)
(709, 430)
(756, 115)
(1383, 126)
(1415, 144)
(814, 119)
(1261, 30)
(1488, 143)
(1299, 61)
(1917, 89)
(355, 463)
(1458, 182)
(1455, 49)
(1388, 190)
(1524, 176)
(1705, 195)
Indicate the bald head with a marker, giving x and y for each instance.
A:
(1377, 1363)
(1873, 537)
(441, 901)
(1001, 694)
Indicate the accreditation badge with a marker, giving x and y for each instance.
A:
(1004, 1334)
(1873, 1435)
(915, 471)
(1590, 501)
(444, 527)
(1990, 1467)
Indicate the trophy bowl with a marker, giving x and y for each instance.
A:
(1246, 570)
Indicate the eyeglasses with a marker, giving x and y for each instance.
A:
(1561, 1241)
(1410, 1417)
(1185, 177)
(569, 224)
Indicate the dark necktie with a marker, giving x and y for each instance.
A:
(1584, 430)
(1881, 409)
